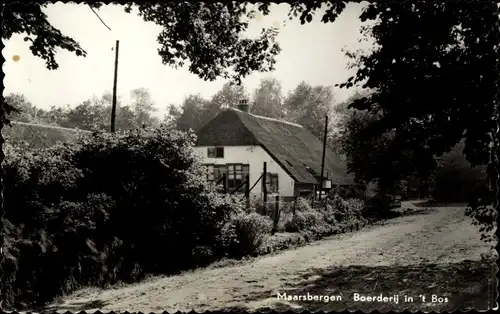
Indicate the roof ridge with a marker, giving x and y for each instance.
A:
(268, 118)
(48, 126)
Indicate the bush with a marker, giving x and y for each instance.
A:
(303, 204)
(483, 214)
(284, 219)
(324, 222)
(111, 207)
(296, 224)
(244, 234)
(341, 210)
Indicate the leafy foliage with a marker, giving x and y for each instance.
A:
(44, 38)
(115, 207)
(308, 105)
(142, 108)
(208, 35)
(110, 207)
(434, 77)
(451, 54)
(455, 180)
(91, 114)
(369, 158)
(192, 116)
(323, 222)
(244, 234)
(25, 111)
(267, 99)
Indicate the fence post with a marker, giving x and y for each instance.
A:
(276, 215)
(247, 191)
(224, 183)
(294, 205)
(264, 187)
(313, 196)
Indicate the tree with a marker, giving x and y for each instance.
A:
(86, 116)
(455, 179)
(27, 112)
(125, 118)
(95, 114)
(433, 68)
(143, 107)
(228, 97)
(308, 106)
(196, 111)
(192, 111)
(268, 99)
(173, 114)
(434, 74)
(366, 157)
(205, 34)
(44, 38)
(450, 55)
(55, 115)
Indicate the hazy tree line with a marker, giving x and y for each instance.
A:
(91, 114)
(306, 105)
(452, 179)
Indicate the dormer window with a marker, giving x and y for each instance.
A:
(215, 152)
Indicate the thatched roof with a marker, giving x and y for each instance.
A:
(39, 135)
(295, 148)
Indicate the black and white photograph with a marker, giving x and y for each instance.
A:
(249, 156)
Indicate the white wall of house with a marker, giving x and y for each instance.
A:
(254, 156)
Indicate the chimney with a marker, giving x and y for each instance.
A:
(243, 105)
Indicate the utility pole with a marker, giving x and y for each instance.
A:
(113, 108)
(323, 157)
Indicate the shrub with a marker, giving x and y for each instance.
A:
(312, 218)
(483, 214)
(375, 208)
(257, 206)
(329, 217)
(245, 233)
(111, 207)
(203, 255)
(303, 204)
(284, 219)
(297, 223)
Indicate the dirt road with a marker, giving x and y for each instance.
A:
(441, 236)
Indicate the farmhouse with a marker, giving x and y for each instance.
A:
(39, 135)
(237, 143)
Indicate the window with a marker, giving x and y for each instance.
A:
(272, 184)
(219, 152)
(215, 152)
(220, 170)
(215, 172)
(236, 175)
(210, 173)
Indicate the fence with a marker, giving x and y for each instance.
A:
(265, 205)
(268, 207)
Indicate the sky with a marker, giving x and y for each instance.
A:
(310, 53)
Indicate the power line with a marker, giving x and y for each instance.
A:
(99, 17)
